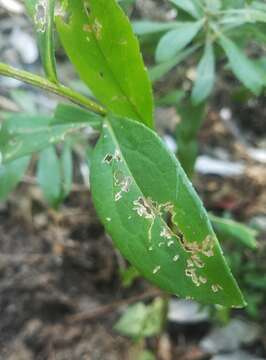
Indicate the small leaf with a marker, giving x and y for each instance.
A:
(243, 68)
(23, 135)
(142, 320)
(136, 184)
(105, 52)
(42, 13)
(205, 75)
(192, 7)
(49, 176)
(69, 114)
(11, 174)
(175, 40)
(144, 27)
(234, 230)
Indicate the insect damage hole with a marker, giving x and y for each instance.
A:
(40, 18)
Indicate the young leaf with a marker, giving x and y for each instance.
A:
(205, 75)
(175, 40)
(22, 135)
(49, 176)
(42, 13)
(231, 229)
(100, 43)
(144, 27)
(11, 174)
(192, 7)
(137, 184)
(243, 68)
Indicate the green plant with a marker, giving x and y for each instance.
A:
(140, 191)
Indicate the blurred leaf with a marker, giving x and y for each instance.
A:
(172, 98)
(213, 5)
(192, 7)
(49, 176)
(175, 40)
(42, 14)
(205, 75)
(66, 169)
(69, 114)
(142, 320)
(146, 355)
(234, 230)
(105, 52)
(244, 69)
(136, 183)
(160, 70)
(186, 134)
(129, 275)
(145, 27)
(24, 134)
(11, 174)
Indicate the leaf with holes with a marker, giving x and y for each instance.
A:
(42, 14)
(99, 40)
(155, 217)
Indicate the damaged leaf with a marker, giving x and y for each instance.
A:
(99, 41)
(155, 217)
(42, 14)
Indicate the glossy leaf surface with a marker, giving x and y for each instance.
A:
(155, 217)
(101, 44)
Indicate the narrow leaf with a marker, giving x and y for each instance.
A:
(66, 170)
(144, 27)
(137, 184)
(231, 229)
(11, 174)
(49, 176)
(175, 40)
(105, 52)
(42, 13)
(205, 75)
(243, 68)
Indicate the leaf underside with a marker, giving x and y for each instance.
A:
(154, 216)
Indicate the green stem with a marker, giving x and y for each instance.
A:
(47, 85)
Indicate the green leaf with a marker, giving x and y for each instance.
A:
(192, 7)
(23, 135)
(11, 174)
(69, 114)
(136, 185)
(66, 170)
(105, 52)
(175, 40)
(244, 69)
(231, 229)
(145, 27)
(142, 320)
(205, 75)
(49, 176)
(160, 70)
(42, 13)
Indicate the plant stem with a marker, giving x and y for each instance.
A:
(58, 89)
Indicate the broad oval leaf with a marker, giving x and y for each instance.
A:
(155, 217)
(42, 14)
(101, 44)
(175, 40)
(205, 75)
(244, 69)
